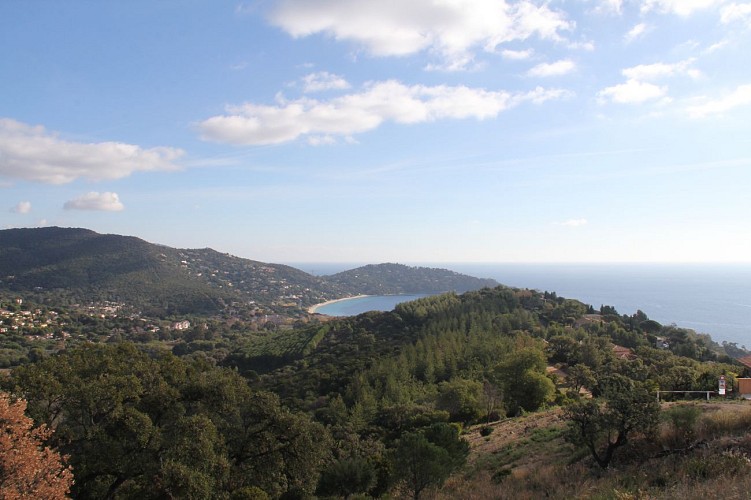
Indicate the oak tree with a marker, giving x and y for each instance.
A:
(28, 468)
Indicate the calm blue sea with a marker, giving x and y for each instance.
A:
(352, 307)
(708, 298)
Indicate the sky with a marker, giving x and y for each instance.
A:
(384, 130)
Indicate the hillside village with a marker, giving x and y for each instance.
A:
(37, 323)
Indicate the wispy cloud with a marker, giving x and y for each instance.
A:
(344, 116)
(574, 223)
(741, 96)
(716, 46)
(23, 207)
(679, 7)
(106, 202)
(609, 6)
(636, 32)
(517, 55)
(34, 154)
(453, 30)
(736, 12)
(650, 72)
(640, 87)
(321, 140)
(557, 68)
(323, 80)
(631, 92)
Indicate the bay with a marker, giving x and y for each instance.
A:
(358, 305)
(707, 298)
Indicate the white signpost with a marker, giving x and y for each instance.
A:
(722, 385)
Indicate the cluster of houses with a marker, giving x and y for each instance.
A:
(13, 319)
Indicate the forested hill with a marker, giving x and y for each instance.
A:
(61, 266)
(385, 279)
(384, 405)
(71, 265)
(445, 336)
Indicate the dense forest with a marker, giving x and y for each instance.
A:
(400, 403)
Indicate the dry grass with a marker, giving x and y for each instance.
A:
(526, 458)
(725, 420)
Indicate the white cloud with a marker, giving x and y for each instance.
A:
(679, 7)
(614, 5)
(631, 92)
(321, 140)
(661, 70)
(33, 154)
(574, 222)
(552, 69)
(716, 46)
(635, 32)
(608, 6)
(540, 95)
(736, 12)
(23, 207)
(639, 88)
(323, 80)
(451, 29)
(517, 55)
(107, 202)
(739, 97)
(239, 66)
(586, 45)
(378, 102)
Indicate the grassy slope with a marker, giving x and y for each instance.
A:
(527, 458)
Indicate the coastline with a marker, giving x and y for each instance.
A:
(312, 309)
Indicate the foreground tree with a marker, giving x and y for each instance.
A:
(428, 457)
(28, 469)
(604, 426)
(142, 427)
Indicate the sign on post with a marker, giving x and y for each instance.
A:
(722, 385)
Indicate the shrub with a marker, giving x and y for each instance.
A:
(727, 464)
(682, 420)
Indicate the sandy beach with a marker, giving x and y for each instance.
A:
(312, 309)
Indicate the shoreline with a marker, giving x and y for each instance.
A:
(312, 309)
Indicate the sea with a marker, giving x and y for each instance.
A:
(707, 298)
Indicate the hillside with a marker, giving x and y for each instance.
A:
(72, 265)
(528, 457)
(388, 279)
(56, 265)
(449, 396)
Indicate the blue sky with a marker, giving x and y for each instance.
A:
(374, 131)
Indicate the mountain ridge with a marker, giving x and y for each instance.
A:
(81, 265)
